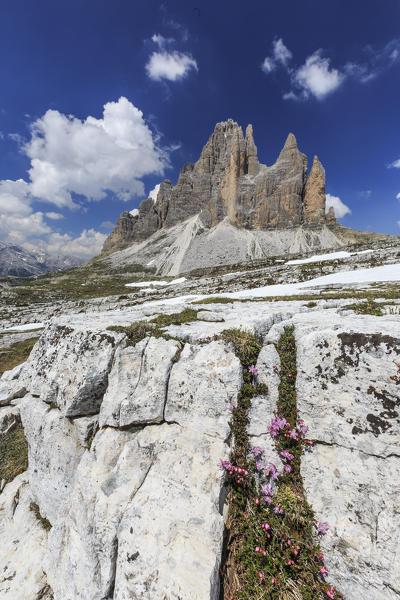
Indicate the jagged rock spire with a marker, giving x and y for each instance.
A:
(330, 217)
(228, 181)
(314, 197)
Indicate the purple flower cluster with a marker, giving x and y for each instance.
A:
(277, 424)
(272, 471)
(257, 451)
(322, 527)
(253, 371)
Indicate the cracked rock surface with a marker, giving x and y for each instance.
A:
(352, 473)
(125, 443)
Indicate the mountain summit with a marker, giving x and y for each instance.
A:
(229, 181)
(228, 208)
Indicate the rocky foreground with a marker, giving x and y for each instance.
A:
(124, 495)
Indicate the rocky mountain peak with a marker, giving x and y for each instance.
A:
(228, 181)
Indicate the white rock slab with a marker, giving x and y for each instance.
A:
(9, 417)
(54, 454)
(170, 537)
(203, 384)
(70, 368)
(352, 474)
(144, 403)
(23, 544)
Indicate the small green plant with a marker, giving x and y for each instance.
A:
(311, 304)
(135, 332)
(43, 521)
(13, 453)
(366, 308)
(187, 315)
(16, 354)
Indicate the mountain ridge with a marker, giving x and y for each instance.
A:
(229, 181)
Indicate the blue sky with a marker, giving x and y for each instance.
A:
(101, 100)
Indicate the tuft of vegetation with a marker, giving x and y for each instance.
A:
(16, 354)
(215, 300)
(141, 329)
(245, 346)
(42, 520)
(13, 453)
(270, 550)
(311, 304)
(187, 315)
(366, 308)
(135, 332)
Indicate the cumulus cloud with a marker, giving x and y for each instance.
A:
(170, 65)
(280, 55)
(92, 157)
(73, 161)
(398, 196)
(395, 164)
(86, 245)
(154, 192)
(317, 78)
(55, 216)
(341, 209)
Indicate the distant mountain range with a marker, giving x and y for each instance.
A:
(18, 262)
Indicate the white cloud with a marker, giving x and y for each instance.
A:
(14, 198)
(170, 65)
(70, 158)
(55, 216)
(340, 208)
(365, 193)
(107, 225)
(268, 65)
(94, 156)
(316, 77)
(398, 196)
(154, 192)
(86, 245)
(161, 41)
(395, 164)
(280, 55)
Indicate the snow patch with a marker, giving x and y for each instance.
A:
(152, 284)
(26, 327)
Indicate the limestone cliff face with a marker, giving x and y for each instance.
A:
(314, 197)
(229, 181)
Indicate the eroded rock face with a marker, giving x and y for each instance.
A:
(70, 369)
(314, 197)
(137, 505)
(23, 545)
(229, 182)
(352, 474)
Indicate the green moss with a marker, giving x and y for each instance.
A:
(187, 315)
(16, 354)
(13, 453)
(141, 329)
(135, 332)
(366, 308)
(43, 521)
